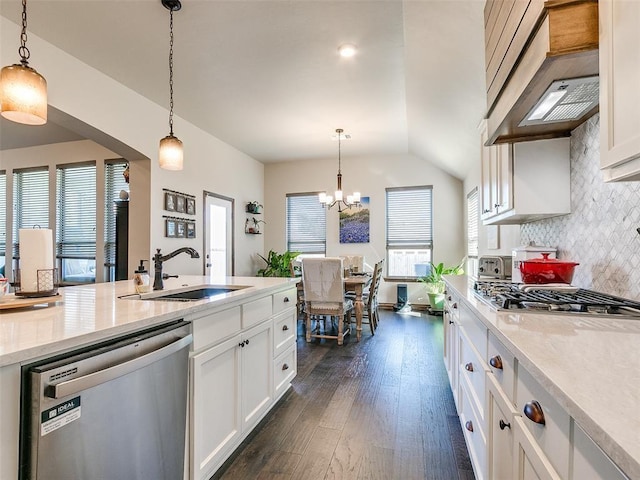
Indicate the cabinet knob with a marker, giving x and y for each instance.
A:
(533, 411)
(469, 367)
(241, 344)
(286, 300)
(285, 367)
(469, 425)
(496, 362)
(449, 298)
(247, 341)
(455, 305)
(504, 425)
(285, 328)
(497, 205)
(486, 210)
(450, 322)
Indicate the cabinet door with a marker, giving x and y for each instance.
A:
(489, 174)
(257, 378)
(619, 93)
(499, 434)
(530, 462)
(215, 405)
(504, 167)
(591, 462)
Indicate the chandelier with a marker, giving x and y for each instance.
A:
(338, 199)
(23, 91)
(171, 153)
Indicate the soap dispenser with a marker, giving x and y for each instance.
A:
(141, 279)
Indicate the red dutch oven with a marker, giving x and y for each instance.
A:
(547, 270)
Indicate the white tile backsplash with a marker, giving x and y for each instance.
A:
(600, 233)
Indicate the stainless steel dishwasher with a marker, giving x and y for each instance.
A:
(117, 411)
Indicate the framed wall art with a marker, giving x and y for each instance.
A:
(181, 203)
(191, 206)
(354, 223)
(180, 229)
(191, 230)
(170, 228)
(170, 201)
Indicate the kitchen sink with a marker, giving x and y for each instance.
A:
(188, 294)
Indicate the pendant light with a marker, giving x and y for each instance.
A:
(23, 91)
(339, 200)
(171, 153)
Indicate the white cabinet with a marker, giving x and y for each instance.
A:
(215, 406)
(256, 362)
(588, 461)
(525, 182)
(499, 434)
(530, 463)
(619, 93)
(450, 326)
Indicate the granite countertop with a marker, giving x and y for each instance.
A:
(590, 365)
(92, 313)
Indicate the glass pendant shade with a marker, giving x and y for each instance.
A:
(171, 153)
(23, 95)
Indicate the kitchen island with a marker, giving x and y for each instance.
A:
(90, 314)
(584, 368)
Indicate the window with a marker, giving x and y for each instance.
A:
(76, 222)
(31, 202)
(306, 224)
(114, 183)
(3, 222)
(472, 230)
(409, 231)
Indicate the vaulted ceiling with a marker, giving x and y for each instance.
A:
(265, 76)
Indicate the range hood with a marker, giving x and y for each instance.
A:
(553, 86)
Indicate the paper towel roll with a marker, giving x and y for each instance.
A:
(36, 253)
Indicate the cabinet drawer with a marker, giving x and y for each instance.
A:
(284, 332)
(284, 370)
(502, 365)
(284, 300)
(591, 462)
(553, 435)
(473, 371)
(256, 311)
(212, 328)
(475, 329)
(473, 434)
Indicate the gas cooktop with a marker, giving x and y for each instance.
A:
(554, 298)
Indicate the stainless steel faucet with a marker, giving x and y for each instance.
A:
(158, 258)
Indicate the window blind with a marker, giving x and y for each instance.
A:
(76, 211)
(31, 202)
(409, 218)
(472, 223)
(3, 213)
(306, 224)
(114, 182)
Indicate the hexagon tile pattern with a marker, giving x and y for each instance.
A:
(600, 233)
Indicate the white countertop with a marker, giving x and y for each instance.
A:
(91, 313)
(590, 365)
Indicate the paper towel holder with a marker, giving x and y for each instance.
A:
(47, 283)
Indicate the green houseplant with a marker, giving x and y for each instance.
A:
(434, 284)
(278, 264)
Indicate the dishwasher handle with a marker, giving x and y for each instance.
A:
(79, 384)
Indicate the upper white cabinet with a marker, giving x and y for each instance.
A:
(619, 92)
(525, 182)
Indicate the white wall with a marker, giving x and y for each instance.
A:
(370, 176)
(121, 113)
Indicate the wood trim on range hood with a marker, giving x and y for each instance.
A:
(564, 45)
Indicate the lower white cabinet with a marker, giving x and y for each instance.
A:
(499, 432)
(588, 461)
(256, 361)
(530, 462)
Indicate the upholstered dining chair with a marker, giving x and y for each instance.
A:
(323, 282)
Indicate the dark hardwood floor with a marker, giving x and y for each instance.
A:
(377, 409)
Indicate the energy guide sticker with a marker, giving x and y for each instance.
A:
(55, 417)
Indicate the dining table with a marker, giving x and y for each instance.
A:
(357, 284)
(352, 284)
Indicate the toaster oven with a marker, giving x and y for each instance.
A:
(498, 267)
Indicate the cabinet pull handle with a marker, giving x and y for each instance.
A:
(286, 300)
(455, 305)
(285, 328)
(504, 425)
(241, 344)
(496, 362)
(469, 367)
(449, 298)
(533, 411)
(285, 367)
(469, 425)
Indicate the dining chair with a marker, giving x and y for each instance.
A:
(370, 298)
(323, 283)
(353, 262)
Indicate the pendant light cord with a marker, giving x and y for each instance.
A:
(23, 51)
(170, 72)
(339, 132)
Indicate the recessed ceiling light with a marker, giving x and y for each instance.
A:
(347, 50)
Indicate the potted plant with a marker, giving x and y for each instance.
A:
(254, 207)
(278, 264)
(434, 284)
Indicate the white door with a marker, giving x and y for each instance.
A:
(218, 235)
